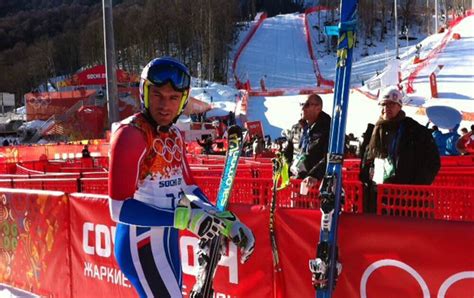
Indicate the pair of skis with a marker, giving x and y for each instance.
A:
(210, 253)
(326, 267)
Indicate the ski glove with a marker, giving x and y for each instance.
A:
(239, 233)
(197, 220)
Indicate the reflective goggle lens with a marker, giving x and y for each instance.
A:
(162, 74)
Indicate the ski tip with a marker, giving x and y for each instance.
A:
(235, 129)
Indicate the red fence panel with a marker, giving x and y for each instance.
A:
(290, 197)
(94, 185)
(28, 183)
(258, 191)
(426, 201)
(67, 185)
(6, 183)
(454, 178)
(463, 160)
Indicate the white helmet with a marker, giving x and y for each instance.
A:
(391, 94)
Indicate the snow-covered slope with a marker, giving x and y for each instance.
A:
(455, 80)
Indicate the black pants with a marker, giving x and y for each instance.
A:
(370, 197)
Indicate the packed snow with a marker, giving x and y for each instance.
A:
(455, 80)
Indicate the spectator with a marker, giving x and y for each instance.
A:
(258, 146)
(6, 143)
(308, 142)
(452, 138)
(465, 144)
(220, 128)
(85, 152)
(400, 151)
(464, 130)
(206, 143)
(439, 139)
(351, 146)
(268, 142)
(262, 83)
(366, 138)
(231, 120)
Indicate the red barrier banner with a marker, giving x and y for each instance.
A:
(95, 268)
(381, 256)
(95, 271)
(34, 247)
(96, 76)
(42, 105)
(255, 128)
(252, 279)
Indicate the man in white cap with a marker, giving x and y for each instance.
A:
(400, 151)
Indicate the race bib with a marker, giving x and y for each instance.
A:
(298, 165)
(383, 170)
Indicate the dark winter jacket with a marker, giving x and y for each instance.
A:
(316, 150)
(417, 159)
(292, 148)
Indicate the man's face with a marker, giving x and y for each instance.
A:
(164, 103)
(311, 110)
(390, 110)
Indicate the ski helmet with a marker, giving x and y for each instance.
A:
(161, 71)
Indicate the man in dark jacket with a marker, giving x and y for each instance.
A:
(312, 147)
(400, 151)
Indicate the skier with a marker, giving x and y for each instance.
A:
(152, 194)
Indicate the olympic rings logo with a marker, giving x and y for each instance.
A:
(38, 102)
(169, 149)
(424, 287)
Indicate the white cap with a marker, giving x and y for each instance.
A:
(391, 94)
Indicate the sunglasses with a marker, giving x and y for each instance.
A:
(308, 104)
(161, 74)
(388, 104)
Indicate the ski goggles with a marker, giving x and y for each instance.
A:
(161, 74)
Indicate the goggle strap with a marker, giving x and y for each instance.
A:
(146, 86)
(183, 101)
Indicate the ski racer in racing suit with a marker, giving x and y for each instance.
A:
(151, 191)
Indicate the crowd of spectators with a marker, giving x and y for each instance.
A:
(9, 141)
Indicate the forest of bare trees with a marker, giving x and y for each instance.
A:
(40, 39)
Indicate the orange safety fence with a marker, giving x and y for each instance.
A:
(94, 185)
(426, 201)
(454, 178)
(68, 185)
(94, 174)
(453, 161)
(290, 197)
(258, 191)
(432, 55)
(308, 30)
(45, 166)
(6, 183)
